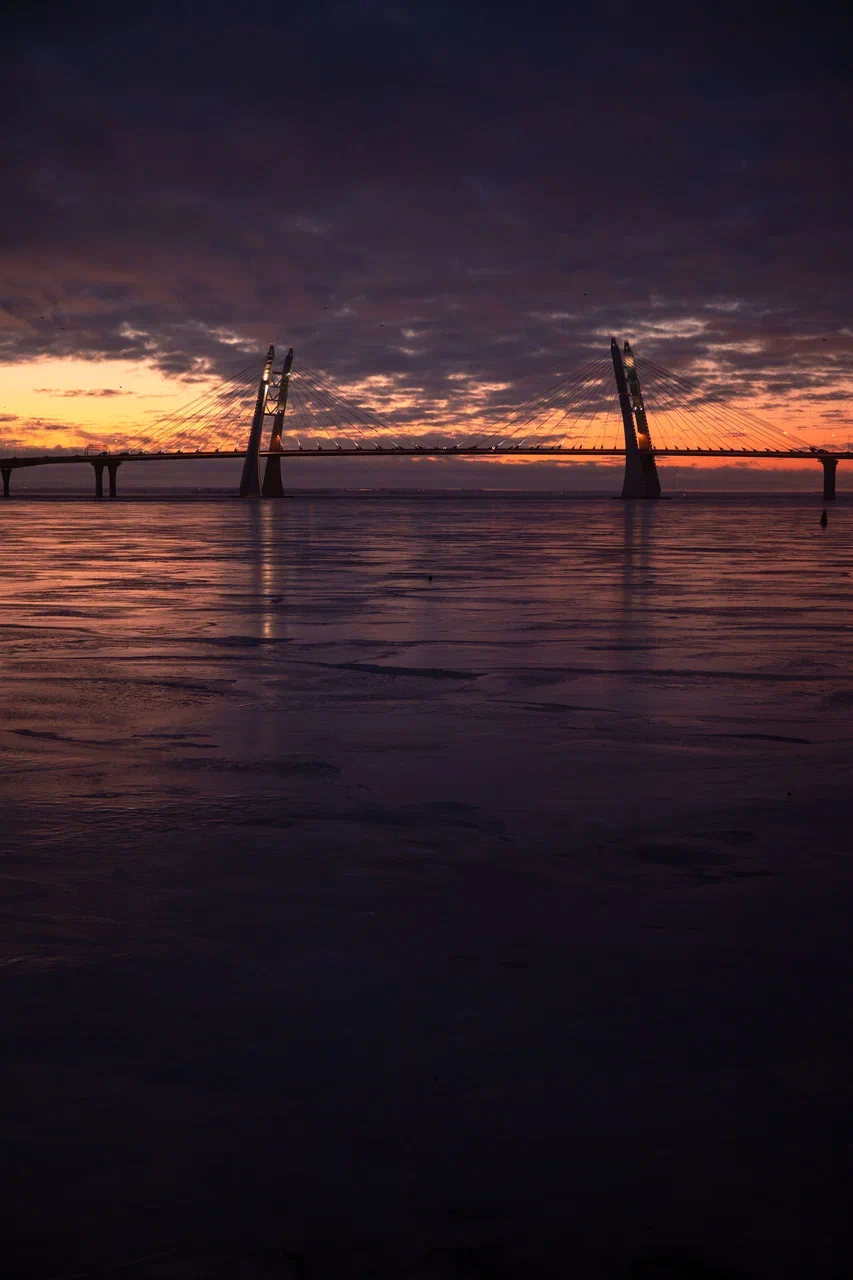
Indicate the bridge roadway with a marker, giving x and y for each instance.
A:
(112, 461)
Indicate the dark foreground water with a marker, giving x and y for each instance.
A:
(498, 921)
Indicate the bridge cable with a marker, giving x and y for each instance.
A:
(531, 408)
(589, 395)
(312, 397)
(328, 405)
(311, 418)
(222, 415)
(192, 429)
(568, 405)
(185, 412)
(694, 417)
(671, 423)
(217, 425)
(600, 435)
(350, 413)
(742, 417)
(660, 402)
(576, 386)
(587, 410)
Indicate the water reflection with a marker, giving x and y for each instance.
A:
(262, 565)
(638, 528)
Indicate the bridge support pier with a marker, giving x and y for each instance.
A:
(99, 479)
(641, 473)
(830, 466)
(272, 486)
(250, 480)
(7, 476)
(112, 468)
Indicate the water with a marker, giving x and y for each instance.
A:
(386, 875)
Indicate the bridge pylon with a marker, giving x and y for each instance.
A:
(250, 480)
(272, 486)
(641, 473)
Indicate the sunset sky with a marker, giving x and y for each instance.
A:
(451, 204)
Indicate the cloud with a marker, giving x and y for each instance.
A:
(100, 392)
(461, 212)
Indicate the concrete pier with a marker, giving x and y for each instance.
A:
(99, 479)
(112, 468)
(830, 466)
(7, 476)
(272, 486)
(641, 475)
(250, 480)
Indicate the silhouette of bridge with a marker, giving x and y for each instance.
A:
(617, 406)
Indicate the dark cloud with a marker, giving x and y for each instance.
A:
(464, 200)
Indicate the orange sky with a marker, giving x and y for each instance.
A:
(58, 403)
(62, 403)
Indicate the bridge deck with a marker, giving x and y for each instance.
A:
(453, 451)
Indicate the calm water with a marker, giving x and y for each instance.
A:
(387, 875)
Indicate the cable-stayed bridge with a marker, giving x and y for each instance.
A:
(270, 413)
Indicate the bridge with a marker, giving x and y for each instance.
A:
(617, 406)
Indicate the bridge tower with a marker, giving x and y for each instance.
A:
(250, 480)
(272, 486)
(641, 473)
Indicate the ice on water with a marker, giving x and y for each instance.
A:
(389, 876)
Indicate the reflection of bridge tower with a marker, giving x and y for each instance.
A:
(641, 473)
(272, 486)
(250, 480)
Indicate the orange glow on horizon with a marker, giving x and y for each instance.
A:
(52, 405)
(57, 404)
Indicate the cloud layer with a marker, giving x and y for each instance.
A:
(458, 203)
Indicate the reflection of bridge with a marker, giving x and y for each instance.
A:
(601, 411)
